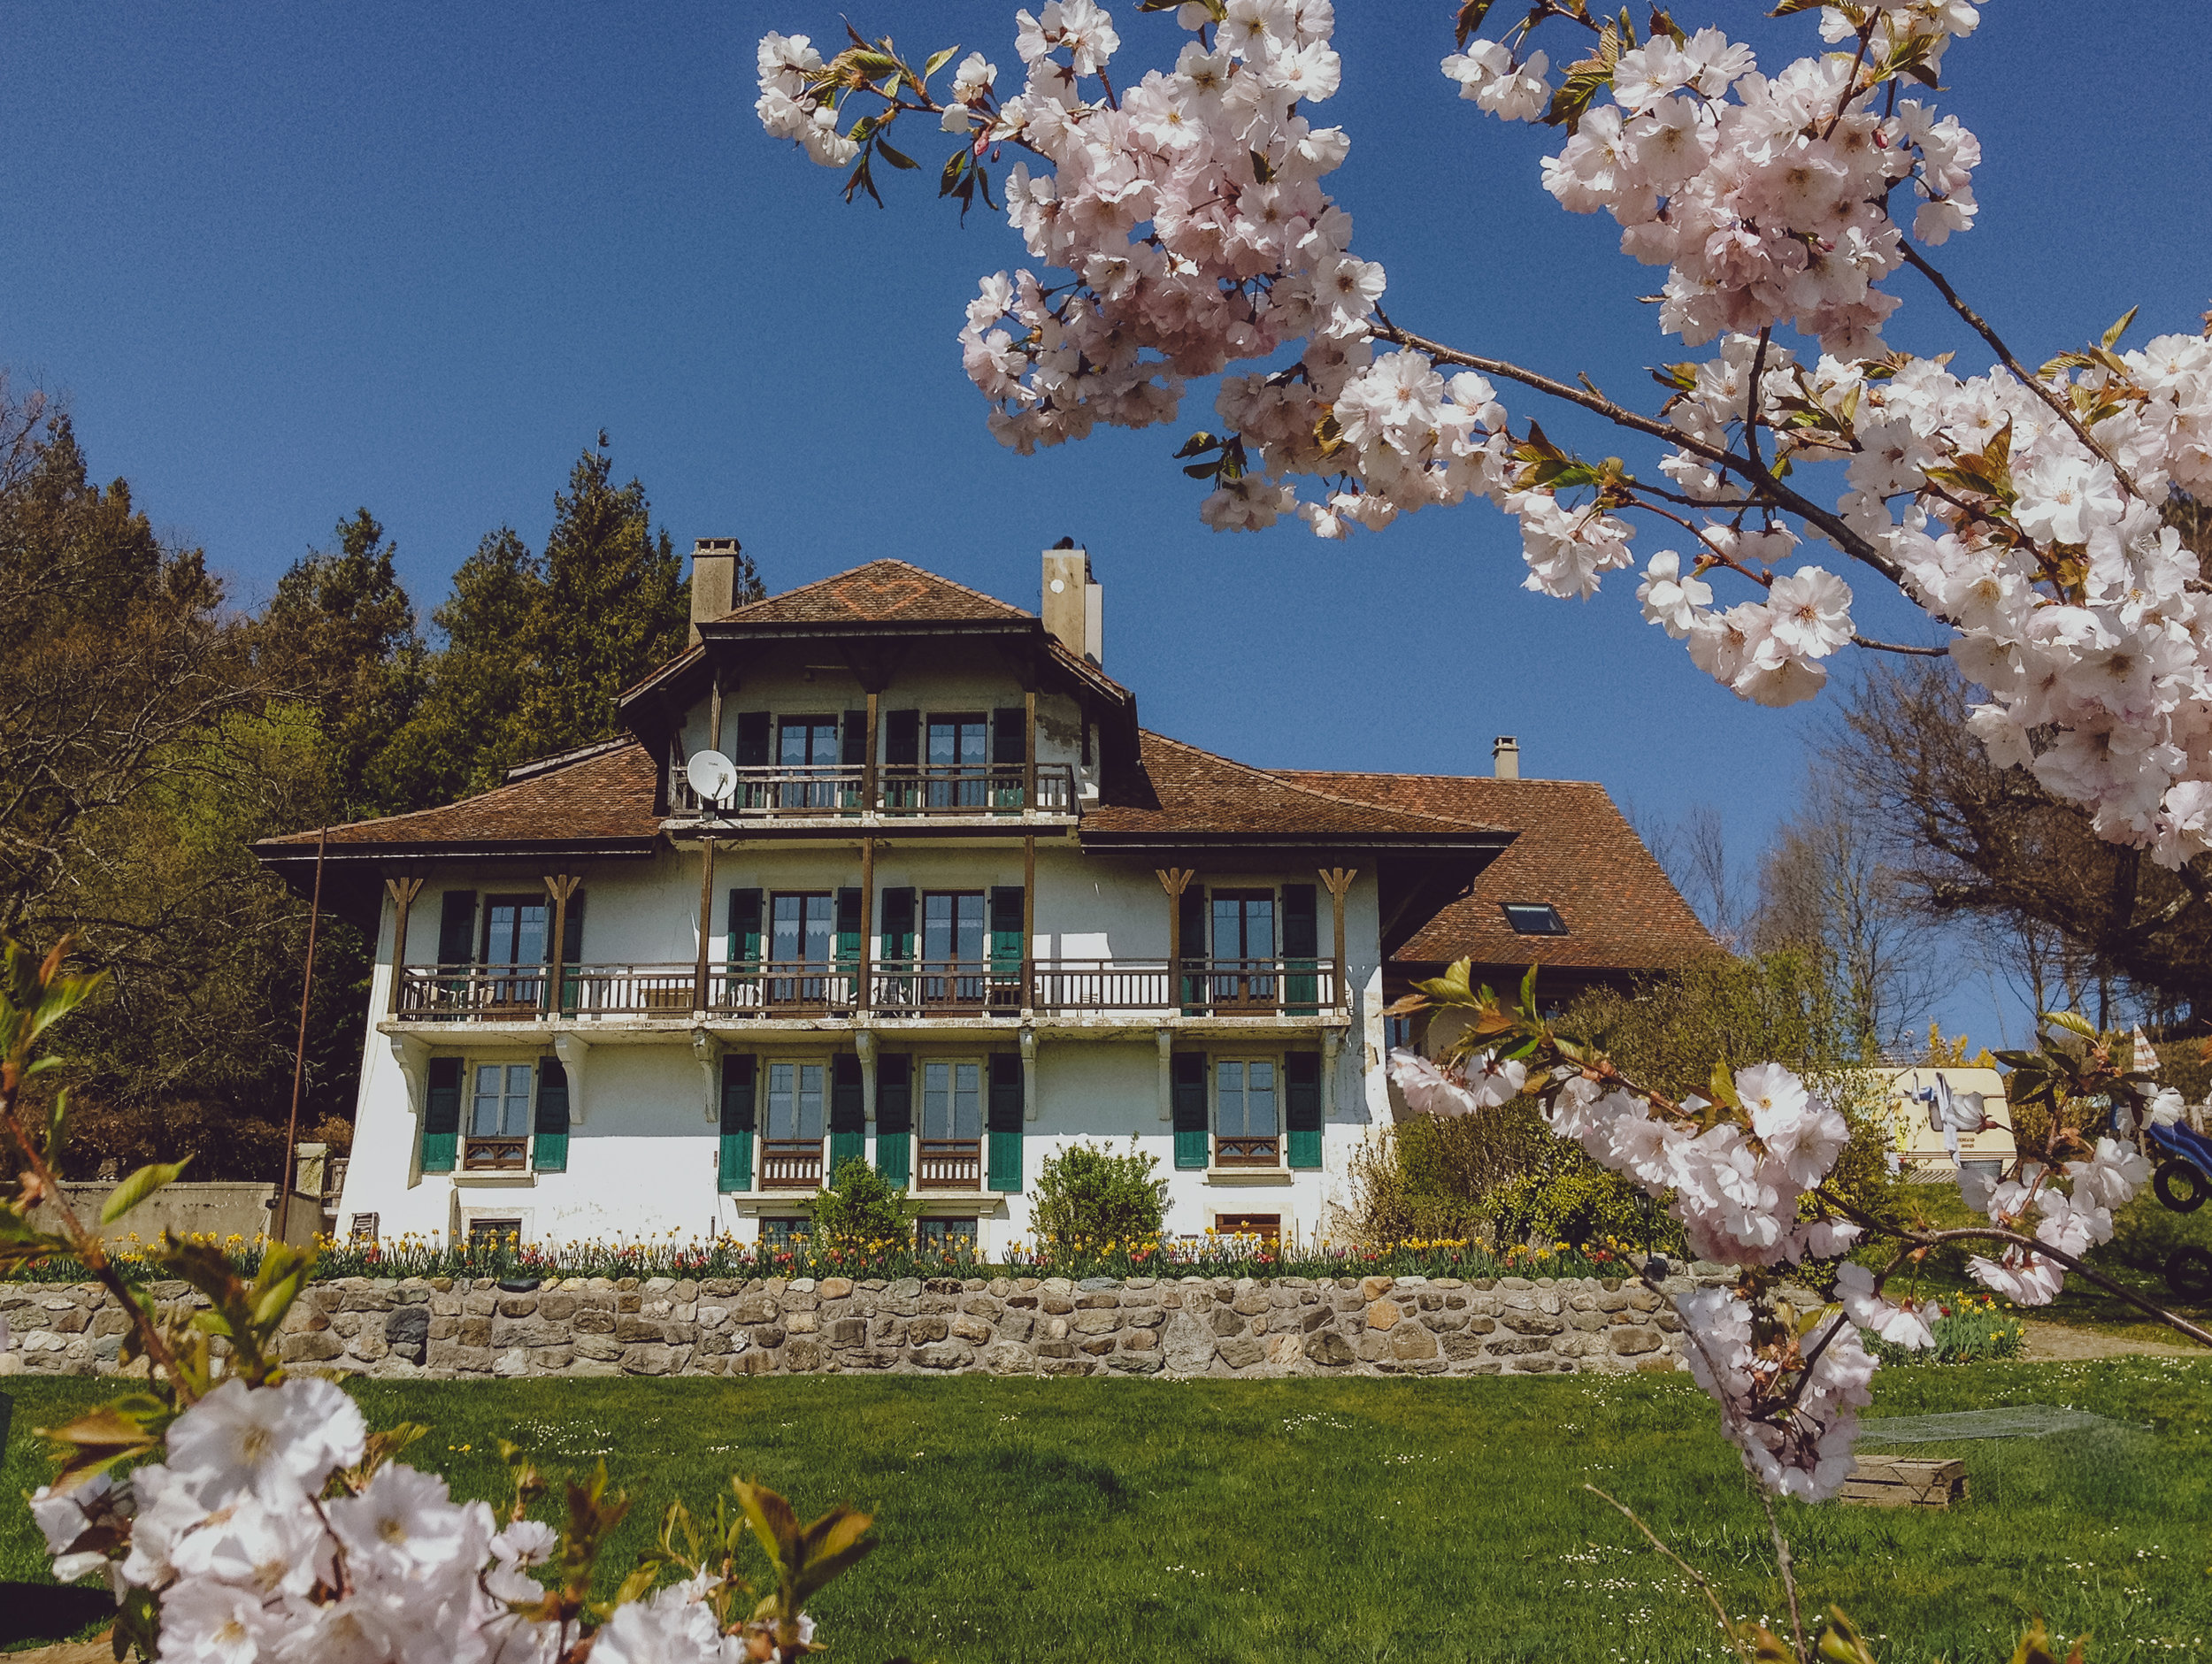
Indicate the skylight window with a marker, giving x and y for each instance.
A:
(1534, 918)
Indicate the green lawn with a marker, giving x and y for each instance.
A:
(1362, 1519)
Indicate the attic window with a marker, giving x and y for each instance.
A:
(1534, 918)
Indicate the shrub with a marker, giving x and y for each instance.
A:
(861, 1207)
(1086, 1191)
(1580, 1204)
(1968, 1329)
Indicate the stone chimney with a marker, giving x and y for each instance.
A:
(713, 580)
(1074, 612)
(1505, 752)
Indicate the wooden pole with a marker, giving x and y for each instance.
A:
(869, 804)
(1175, 880)
(1029, 888)
(282, 1218)
(706, 919)
(404, 892)
(867, 889)
(1029, 759)
(1339, 881)
(560, 888)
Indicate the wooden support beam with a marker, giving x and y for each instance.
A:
(1029, 891)
(560, 888)
(1175, 880)
(404, 892)
(1338, 882)
(867, 899)
(1029, 758)
(868, 801)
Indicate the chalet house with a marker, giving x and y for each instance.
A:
(885, 868)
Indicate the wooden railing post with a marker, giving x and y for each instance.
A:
(560, 888)
(861, 997)
(404, 892)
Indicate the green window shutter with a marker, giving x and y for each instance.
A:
(1003, 1119)
(852, 752)
(736, 1163)
(549, 1150)
(441, 1116)
(1010, 749)
(849, 926)
(1301, 949)
(744, 928)
(848, 1114)
(1006, 930)
(571, 954)
(1188, 1096)
(898, 927)
(1193, 914)
(895, 1116)
(457, 928)
(1302, 1108)
(901, 749)
(752, 739)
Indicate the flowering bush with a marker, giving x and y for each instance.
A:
(238, 1514)
(1183, 216)
(1962, 1329)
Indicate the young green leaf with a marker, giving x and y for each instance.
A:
(137, 1187)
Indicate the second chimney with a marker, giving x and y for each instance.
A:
(1074, 606)
(1505, 751)
(713, 580)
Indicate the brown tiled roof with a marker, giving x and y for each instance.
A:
(1179, 789)
(882, 592)
(1575, 851)
(606, 795)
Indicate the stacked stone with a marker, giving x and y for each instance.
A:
(445, 1328)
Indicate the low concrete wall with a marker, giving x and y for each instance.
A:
(448, 1329)
(214, 1207)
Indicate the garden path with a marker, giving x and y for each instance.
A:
(2055, 1343)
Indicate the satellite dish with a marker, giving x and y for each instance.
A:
(713, 775)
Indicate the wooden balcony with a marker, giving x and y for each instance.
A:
(900, 791)
(791, 1164)
(949, 1164)
(979, 990)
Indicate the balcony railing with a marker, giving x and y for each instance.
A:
(949, 1164)
(1254, 1151)
(902, 790)
(919, 988)
(495, 1155)
(791, 1164)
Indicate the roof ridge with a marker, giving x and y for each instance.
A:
(1294, 785)
(554, 761)
(854, 572)
(1482, 779)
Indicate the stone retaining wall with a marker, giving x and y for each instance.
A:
(445, 1329)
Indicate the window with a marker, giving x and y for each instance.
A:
(947, 1236)
(795, 1100)
(489, 1235)
(802, 929)
(514, 942)
(1534, 918)
(1267, 1227)
(1244, 946)
(500, 1105)
(805, 744)
(1397, 1033)
(952, 934)
(783, 1233)
(959, 761)
(952, 1099)
(1246, 1126)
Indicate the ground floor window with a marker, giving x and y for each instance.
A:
(783, 1233)
(489, 1235)
(1247, 1127)
(364, 1227)
(1267, 1227)
(946, 1235)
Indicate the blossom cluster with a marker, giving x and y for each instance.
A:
(250, 1555)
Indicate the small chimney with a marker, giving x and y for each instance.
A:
(713, 580)
(1074, 607)
(1505, 751)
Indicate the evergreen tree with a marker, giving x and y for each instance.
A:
(616, 604)
(340, 635)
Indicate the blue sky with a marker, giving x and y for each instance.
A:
(286, 261)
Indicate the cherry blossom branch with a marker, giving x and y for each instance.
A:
(1758, 370)
(2041, 388)
(1705, 1587)
(1782, 1564)
(1832, 525)
(1899, 646)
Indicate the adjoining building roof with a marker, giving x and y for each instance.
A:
(1178, 790)
(1577, 853)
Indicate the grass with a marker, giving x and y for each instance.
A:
(1359, 1519)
